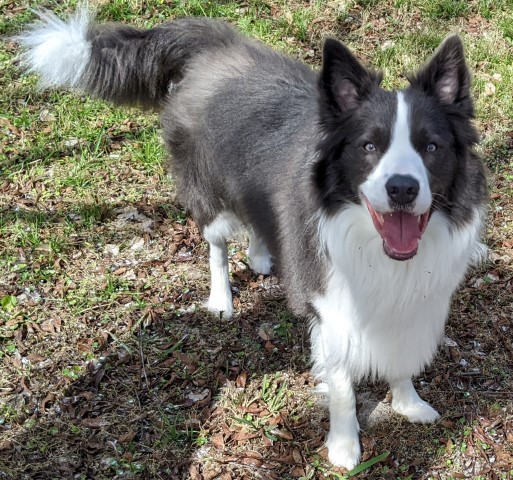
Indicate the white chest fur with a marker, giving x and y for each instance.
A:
(382, 317)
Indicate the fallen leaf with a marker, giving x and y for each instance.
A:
(298, 472)
(283, 434)
(94, 422)
(35, 358)
(130, 275)
(265, 332)
(137, 243)
(111, 250)
(5, 445)
(194, 473)
(4, 122)
(127, 437)
(48, 399)
(265, 440)
(197, 397)
(447, 423)
(254, 408)
(253, 454)
(296, 454)
(489, 89)
(218, 441)
(254, 462)
(241, 379)
(46, 116)
(243, 436)
(52, 325)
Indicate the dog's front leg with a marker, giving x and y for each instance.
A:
(406, 401)
(343, 442)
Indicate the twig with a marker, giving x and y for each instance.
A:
(141, 354)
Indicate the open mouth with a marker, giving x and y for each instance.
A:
(400, 231)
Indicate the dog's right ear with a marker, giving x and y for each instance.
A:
(343, 80)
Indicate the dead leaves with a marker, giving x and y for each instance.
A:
(97, 422)
(264, 440)
(127, 437)
(52, 325)
(130, 216)
(5, 123)
(241, 380)
(184, 239)
(218, 441)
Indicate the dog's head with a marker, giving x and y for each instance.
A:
(402, 154)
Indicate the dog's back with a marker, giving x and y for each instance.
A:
(236, 126)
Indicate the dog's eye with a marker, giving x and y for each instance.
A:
(431, 147)
(370, 147)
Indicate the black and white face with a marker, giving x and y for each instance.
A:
(397, 191)
(394, 152)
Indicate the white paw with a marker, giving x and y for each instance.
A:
(322, 388)
(344, 450)
(261, 264)
(418, 412)
(220, 306)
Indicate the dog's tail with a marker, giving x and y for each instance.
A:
(115, 62)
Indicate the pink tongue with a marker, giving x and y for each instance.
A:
(401, 232)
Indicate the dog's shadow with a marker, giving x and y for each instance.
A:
(173, 392)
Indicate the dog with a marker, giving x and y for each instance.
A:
(367, 203)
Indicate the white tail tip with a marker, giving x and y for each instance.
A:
(58, 51)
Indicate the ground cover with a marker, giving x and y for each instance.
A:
(109, 365)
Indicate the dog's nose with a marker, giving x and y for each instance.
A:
(402, 189)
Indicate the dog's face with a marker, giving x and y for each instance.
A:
(397, 153)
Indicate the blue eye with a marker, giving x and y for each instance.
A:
(370, 147)
(431, 147)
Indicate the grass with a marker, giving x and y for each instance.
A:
(111, 368)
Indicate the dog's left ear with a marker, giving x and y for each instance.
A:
(343, 80)
(445, 75)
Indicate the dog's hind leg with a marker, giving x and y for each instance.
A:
(216, 233)
(258, 255)
(406, 401)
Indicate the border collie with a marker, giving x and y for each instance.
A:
(367, 203)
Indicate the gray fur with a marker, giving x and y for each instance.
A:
(260, 135)
(132, 66)
(253, 172)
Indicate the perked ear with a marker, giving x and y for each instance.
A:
(445, 75)
(343, 79)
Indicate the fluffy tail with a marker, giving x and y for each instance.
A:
(115, 62)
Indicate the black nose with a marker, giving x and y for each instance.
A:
(402, 189)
